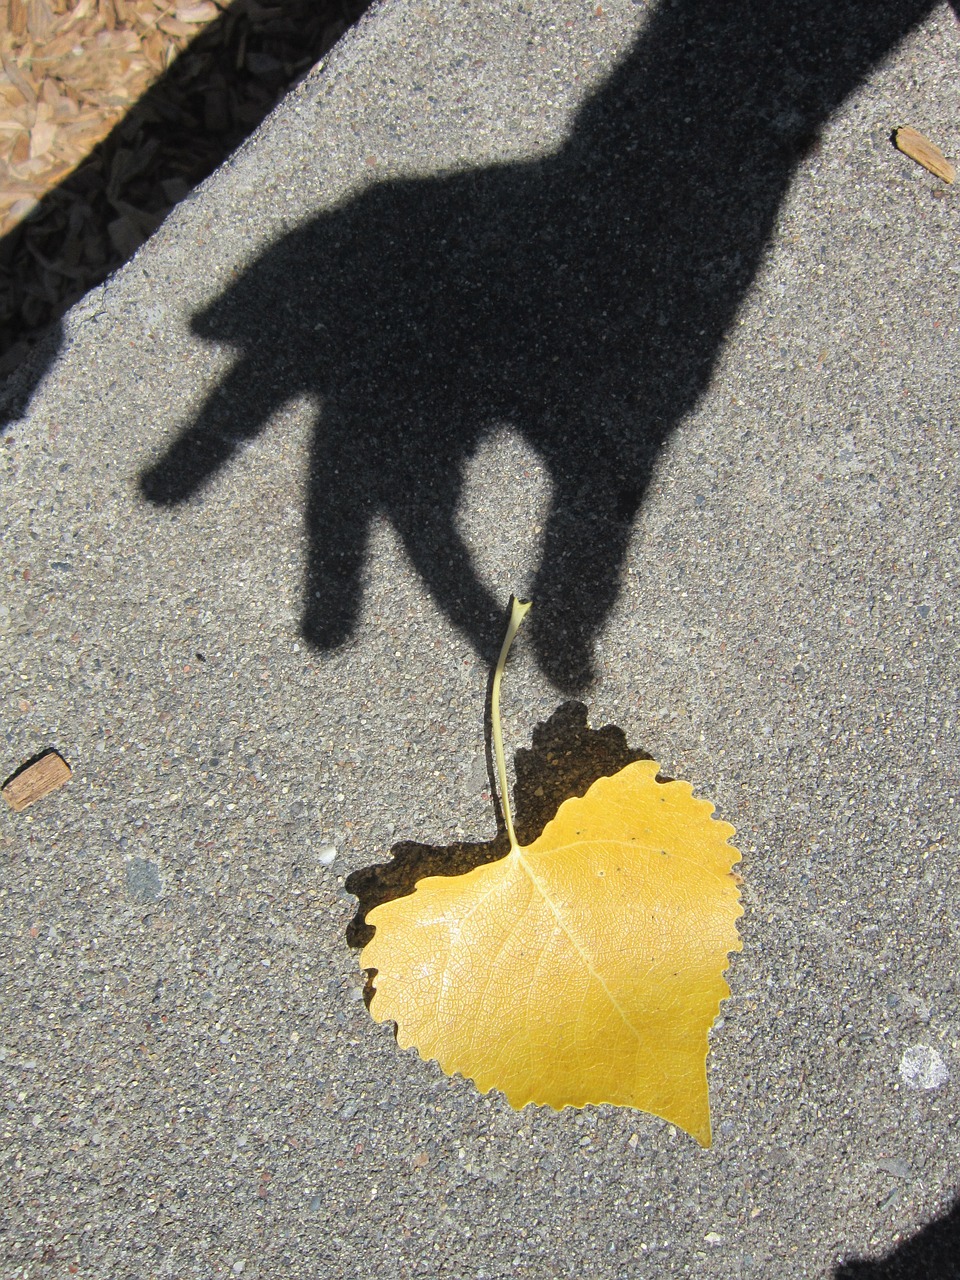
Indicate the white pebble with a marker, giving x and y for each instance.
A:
(922, 1068)
(326, 854)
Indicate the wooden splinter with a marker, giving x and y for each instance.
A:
(926, 153)
(36, 779)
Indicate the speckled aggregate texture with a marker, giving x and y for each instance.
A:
(190, 1084)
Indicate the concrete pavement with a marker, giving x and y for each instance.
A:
(633, 308)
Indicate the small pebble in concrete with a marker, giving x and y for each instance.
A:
(921, 1067)
(326, 854)
(143, 880)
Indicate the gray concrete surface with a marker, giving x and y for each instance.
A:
(191, 1085)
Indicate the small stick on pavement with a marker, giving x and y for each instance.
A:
(36, 779)
(921, 149)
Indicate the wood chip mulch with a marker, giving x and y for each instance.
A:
(110, 112)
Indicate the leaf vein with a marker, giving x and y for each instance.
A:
(575, 943)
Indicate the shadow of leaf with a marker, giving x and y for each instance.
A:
(566, 757)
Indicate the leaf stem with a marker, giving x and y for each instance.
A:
(518, 611)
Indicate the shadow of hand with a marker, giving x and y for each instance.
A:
(581, 299)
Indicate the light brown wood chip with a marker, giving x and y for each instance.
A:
(37, 780)
(921, 149)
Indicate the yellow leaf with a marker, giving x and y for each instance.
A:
(584, 968)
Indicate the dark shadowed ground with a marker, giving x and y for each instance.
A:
(216, 92)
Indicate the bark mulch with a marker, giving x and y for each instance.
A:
(110, 112)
